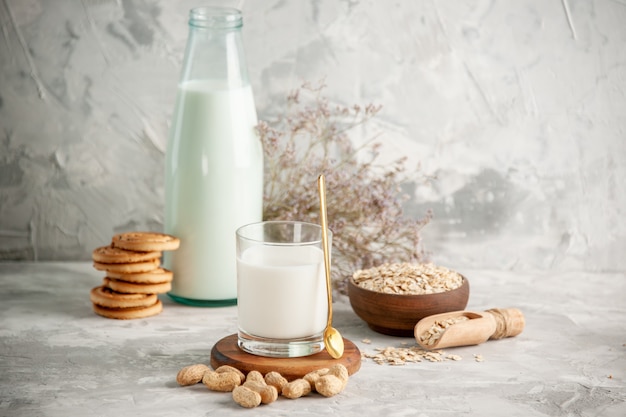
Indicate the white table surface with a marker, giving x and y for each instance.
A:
(57, 358)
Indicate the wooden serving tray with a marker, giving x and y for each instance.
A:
(226, 352)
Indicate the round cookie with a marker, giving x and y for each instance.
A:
(129, 313)
(156, 276)
(114, 255)
(131, 288)
(145, 241)
(128, 268)
(106, 297)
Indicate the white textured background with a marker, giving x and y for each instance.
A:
(517, 108)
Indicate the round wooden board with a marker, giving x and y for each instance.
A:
(226, 352)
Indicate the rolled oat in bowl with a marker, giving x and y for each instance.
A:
(408, 278)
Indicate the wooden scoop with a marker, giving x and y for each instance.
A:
(465, 328)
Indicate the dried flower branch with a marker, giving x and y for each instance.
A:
(364, 198)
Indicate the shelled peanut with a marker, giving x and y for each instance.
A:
(254, 389)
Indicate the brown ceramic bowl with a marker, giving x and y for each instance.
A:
(397, 314)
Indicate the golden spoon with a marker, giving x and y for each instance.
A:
(332, 338)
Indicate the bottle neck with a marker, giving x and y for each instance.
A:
(215, 18)
(215, 48)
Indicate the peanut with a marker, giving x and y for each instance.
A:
(191, 374)
(333, 382)
(225, 368)
(245, 397)
(313, 376)
(296, 388)
(253, 389)
(268, 393)
(329, 385)
(341, 372)
(275, 379)
(255, 376)
(222, 382)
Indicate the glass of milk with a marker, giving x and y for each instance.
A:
(281, 288)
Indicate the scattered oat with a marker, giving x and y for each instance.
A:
(408, 278)
(478, 358)
(402, 355)
(366, 341)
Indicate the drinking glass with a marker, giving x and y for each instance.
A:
(281, 288)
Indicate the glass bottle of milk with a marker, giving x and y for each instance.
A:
(214, 161)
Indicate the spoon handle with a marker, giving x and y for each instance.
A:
(321, 185)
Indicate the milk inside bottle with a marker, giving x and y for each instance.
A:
(214, 161)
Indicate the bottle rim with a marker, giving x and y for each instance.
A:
(215, 17)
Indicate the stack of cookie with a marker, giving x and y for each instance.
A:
(134, 277)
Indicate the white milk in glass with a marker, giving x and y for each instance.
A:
(282, 292)
(214, 184)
